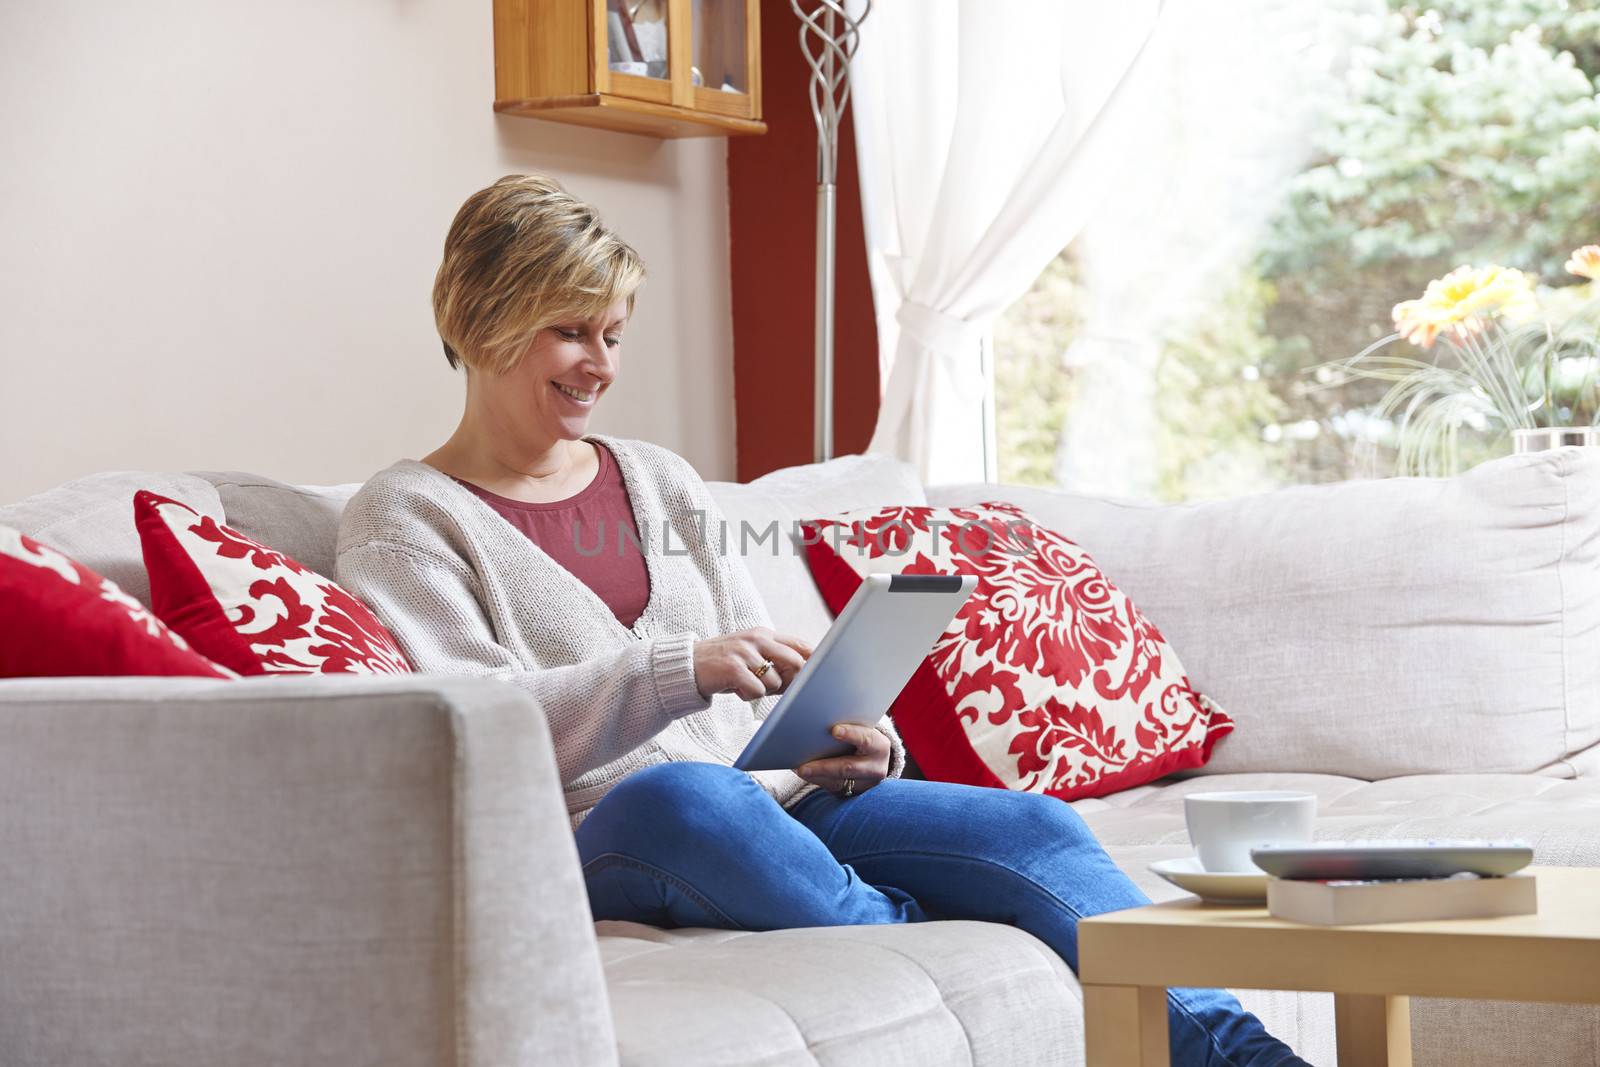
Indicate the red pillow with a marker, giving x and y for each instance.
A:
(58, 618)
(249, 607)
(1049, 680)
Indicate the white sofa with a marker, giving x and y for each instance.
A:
(348, 871)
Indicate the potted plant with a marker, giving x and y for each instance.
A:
(1507, 358)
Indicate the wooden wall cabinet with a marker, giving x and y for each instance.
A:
(666, 68)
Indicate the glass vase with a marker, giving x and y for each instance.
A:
(1553, 437)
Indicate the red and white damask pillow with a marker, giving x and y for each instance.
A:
(58, 619)
(251, 608)
(1049, 680)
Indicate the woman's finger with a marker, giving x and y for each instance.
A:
(799, 644)
(772, 678)
(786, 661)
(745, 657)
(835, 785)
(765, 667)
(783, 656)
(838, 768)
(832, 784)
(865, 738)
(746, 684)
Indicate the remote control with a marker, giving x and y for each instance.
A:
(1360, 861)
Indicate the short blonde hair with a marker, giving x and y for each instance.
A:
(522, 255)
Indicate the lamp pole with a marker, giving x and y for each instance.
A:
(828, 38)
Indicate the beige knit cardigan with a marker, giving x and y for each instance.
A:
(465, 592)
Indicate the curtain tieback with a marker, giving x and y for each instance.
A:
(945, 334)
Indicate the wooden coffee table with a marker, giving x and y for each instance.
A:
(1128, 959)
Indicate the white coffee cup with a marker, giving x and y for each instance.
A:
(1224, 827)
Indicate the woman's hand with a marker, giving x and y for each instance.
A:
(728, 664)
(867, 765)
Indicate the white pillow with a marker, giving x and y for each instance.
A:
(1377, 628)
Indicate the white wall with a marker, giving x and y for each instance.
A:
(219, 224)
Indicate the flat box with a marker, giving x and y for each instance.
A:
(1348, 903)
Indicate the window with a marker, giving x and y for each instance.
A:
(1423, 137)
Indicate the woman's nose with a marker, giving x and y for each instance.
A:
(602, 364)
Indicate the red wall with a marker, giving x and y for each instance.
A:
(772, 198)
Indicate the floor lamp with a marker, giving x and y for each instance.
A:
(828, 38)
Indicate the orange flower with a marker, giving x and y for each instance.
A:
(1463, 301)
(1415, 323)
(1585, 262)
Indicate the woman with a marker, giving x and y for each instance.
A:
(652, 654)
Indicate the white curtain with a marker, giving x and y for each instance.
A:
(990, 132)
(986, 133)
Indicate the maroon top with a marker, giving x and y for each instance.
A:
(591, 534)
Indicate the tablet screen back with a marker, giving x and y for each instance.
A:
(863, 662)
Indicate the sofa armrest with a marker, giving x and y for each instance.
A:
(331, 870)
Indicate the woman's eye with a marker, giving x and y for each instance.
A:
(577, 335)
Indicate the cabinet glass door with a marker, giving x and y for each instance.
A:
(636, 39)
(719, 46)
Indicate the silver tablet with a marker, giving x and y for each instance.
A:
(865, 659)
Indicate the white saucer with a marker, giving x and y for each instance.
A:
(1214, 887)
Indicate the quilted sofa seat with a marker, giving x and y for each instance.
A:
(924, 995)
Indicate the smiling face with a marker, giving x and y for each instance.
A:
(561, 375)
(518, 253)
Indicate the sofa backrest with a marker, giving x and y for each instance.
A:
(762, 516)
(301, 521)
(1370, 629)
(91, 520)
(1375, 628)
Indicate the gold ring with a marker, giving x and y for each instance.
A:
(766, 665)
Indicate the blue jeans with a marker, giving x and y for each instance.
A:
(701, 844)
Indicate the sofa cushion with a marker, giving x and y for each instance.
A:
(298, 520)
(951, 993)
(60, 619)
(1393, 627)
(251, 607)
(926, 995)
(91, 520)
(763, 519)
